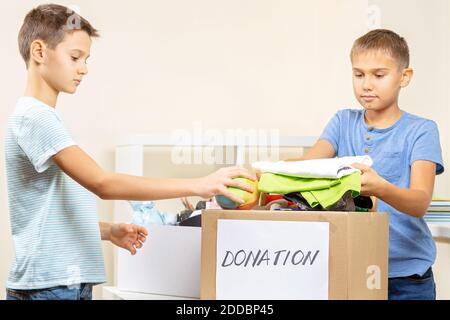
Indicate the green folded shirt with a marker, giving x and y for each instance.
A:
(325, 192)
(328, 197)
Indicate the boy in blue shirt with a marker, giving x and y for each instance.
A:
(53, 215)
(406, 152)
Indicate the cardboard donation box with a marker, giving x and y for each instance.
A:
(294, 255)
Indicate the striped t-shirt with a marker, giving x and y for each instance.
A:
(54, 220)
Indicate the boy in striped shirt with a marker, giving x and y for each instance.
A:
(52, 181)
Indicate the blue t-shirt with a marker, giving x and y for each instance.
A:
(54, 220)
(393, 150)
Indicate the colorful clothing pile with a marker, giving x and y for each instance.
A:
(324, 184)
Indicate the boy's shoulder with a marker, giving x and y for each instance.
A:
(349, 115)
(32, 105)
(28, 108)
(31, 115)
(416, 124)
(415, 118)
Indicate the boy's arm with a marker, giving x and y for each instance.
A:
(126, 236)
(322, 149)
(414, 200)
(114, 186)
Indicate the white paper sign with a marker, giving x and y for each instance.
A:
(272, 259)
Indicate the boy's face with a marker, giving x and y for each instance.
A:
(65, 66)
(377, 79)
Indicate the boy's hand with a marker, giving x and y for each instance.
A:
(371, 183)
(217, 183)
(128, 236)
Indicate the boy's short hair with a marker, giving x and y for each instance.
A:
(383, 40)
(50, 23)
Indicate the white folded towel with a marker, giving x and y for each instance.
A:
(332, 168)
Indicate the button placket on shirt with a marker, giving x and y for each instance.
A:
(368, 140)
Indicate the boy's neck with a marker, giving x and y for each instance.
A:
(383, 119)
(39, 89)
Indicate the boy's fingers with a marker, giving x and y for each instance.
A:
(140, 242)
(360, 166)
(363, 180)
(236, 172)
(244, 174)
(132, 249)
(142, 238)
(142, 230)
(355, 165)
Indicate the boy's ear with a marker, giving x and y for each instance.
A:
(407, 75)
(37, 51)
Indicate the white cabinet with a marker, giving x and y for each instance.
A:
(130, 160)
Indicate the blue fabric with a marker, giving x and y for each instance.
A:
(393, 150)
(79, 292)
(146, 213)
(54, 220)
(413, 288)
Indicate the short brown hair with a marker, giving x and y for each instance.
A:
(383, 40)
(50, 23)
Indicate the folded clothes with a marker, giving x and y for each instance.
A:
(281, 184)
(332, 168)
(346, 203)
(301, 202)
(324, 192)
(328, 197)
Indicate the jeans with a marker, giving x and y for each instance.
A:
(80, 292)
(414, 287)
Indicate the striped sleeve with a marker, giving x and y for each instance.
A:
(42, 135)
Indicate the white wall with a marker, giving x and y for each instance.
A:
(161, 65)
